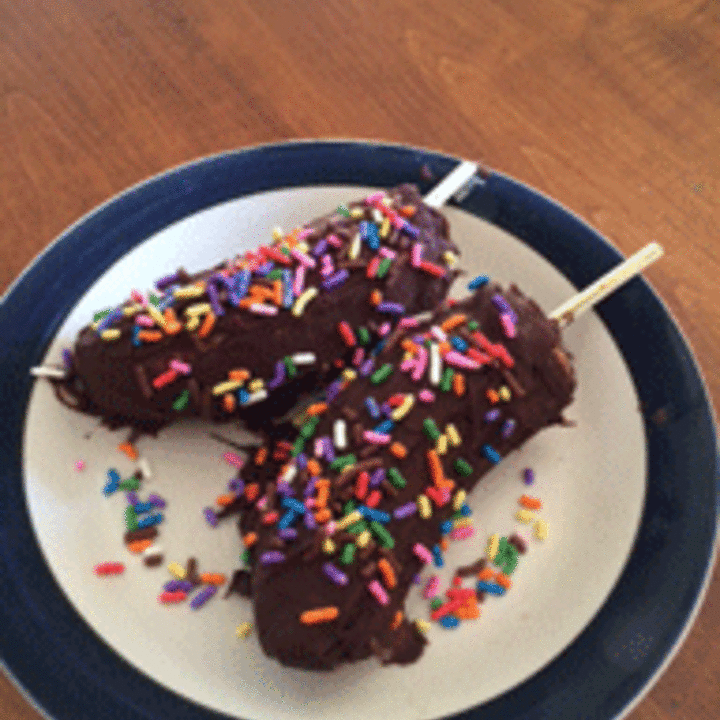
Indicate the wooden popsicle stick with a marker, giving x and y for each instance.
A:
(606, 284)
(450, 184)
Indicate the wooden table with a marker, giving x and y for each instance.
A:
(613, 108)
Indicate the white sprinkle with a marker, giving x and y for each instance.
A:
(438, 333)
(340, 434)
(289, 475)
(144, 466)
(152, 551)
(435, 371)
(304, 358)
(257, 397)
(377, 216)
(45, 371)
(354, 249)
(263, 309)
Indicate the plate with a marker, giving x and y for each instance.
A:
(630, 492)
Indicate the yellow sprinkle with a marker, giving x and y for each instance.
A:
(423, 626)
(525, 516)
(493, 546)
(462, 523)
(109, 335)
(348, 520)
(188, 292)
(458, 500)
(198, 309)
(424, 507)
(243, 630)
(277, 234)
(156, 315)
(354, 249)
(225, 387)
(403, 409)
(357, 213)
(504, 393)
(349, 374)
(95, 325)
(450, 258)
(541, 530)
(177, 570)
(193, 323)
(453, 435)
(328, 546)
(363, 539)
(299, 307)
(441, 446)
(303, 247)
(255, 385)
(385, 228)
(133, 309)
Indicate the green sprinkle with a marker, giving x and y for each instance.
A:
(245, 556)
(396, 479)
(347, 554)
(357, 527)
(383, 267)
(308, 428)
(507, 556)
(131, 522)
(181, 401)
(285, 251)
(473, 325)
(342, 210)
(349, 506)
(383, 536)
(446, 381)
(130, 484)
(381, 374)
(275, 274)
(435, 603)
(462, 467)
(154, 299)
(102, 314)
(290, 367)
(298, 446)
(340, 463)
(431, 429)
(363, 335)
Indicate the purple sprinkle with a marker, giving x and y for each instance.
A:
(417, 579)
(335, 574)
(236, 485)
(377, 477)
(367, 367)
(67, 358)
(210, 516)
(310, 488)
(288, 533)
(492, 415)
(309, 520)
(391, 308)
(175, 585)
(156, 501)
(336, 279)
(329, 449)
(279, 376)
(333, 390)
(405, 510)
(320, 247)
(265, 268)
(109, 319)
(301, 461)
(132, 498)
(284, 488)
(214, 298)
(202, 597)
(410, 229)
(504, 307)
(528, 476)
(166, 281)
(272, 556)
(508, 428)
(386, 410)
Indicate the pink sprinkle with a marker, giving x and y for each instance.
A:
(263, 309)
(261, 504)
(358, 357)
(304, 259)
(299, 281)
(422, 552)
(455, 359)
(388, 253)
(379, 593)
(409, 322)
(416, 255)
(327, 267)
(334, 240)
(372, 267)
(181, 367)
(462, 533)
(330, 527)
(144, 321)
(138, 297)
(304, 233)
(426, 396)
(376, 438)
(420, 364)
(384, 329)
(508, 325)
(431, 588)
(438, 333)
(80, 465)
(408, 365)
(375, 198)
(318, 447)
(233, 459)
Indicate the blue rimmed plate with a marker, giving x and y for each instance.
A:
(630, 492)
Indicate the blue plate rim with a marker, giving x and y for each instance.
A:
(629, 651)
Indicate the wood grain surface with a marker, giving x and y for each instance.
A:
(611, 107)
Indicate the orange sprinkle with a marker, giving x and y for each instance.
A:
(459, 384)
(213, 578)
(409, 346)
(323, 516)
(249, 539)
(486, 574)
(247, 301)
(398, 450)
(468, 611)
(435, 467)
(150, 335)
(531, 503)
(313, 467)
(137, 546)
(229, 402)
(375, 297)
(261, 456)
(444, 347)
(407, 210)
(492, 396)
(225, 500)
(323, 496)
(322, 483)
(453, 321)
(395, 624)
(316, 409)
(252, 491)
(172, 325)
(503, 580)
(240, 375)
(207, 325)
(388, 573)
(129, 450)
(444, 544)
(258, 293)
(319, 615)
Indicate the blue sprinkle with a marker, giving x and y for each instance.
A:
(446, 527)
(465, 511)
(301, 461)
(373, 514)
(459, 343)
(367, 367)
(292, 504)
(112, 483)
(288, 297)
(135, 339)
(507, 428)
(385, 427)
(491, 454)
(378, 348)
(287, 520)
(492, 415)
(491, 588)
(372, 407)
(166, 302)
(143, 507)
(150, 520)
(437, 556)
(243, 396)
(478, 282)
(174, 585)
(390, 308)
(449, 621)
(369, 233)
(210, 516)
